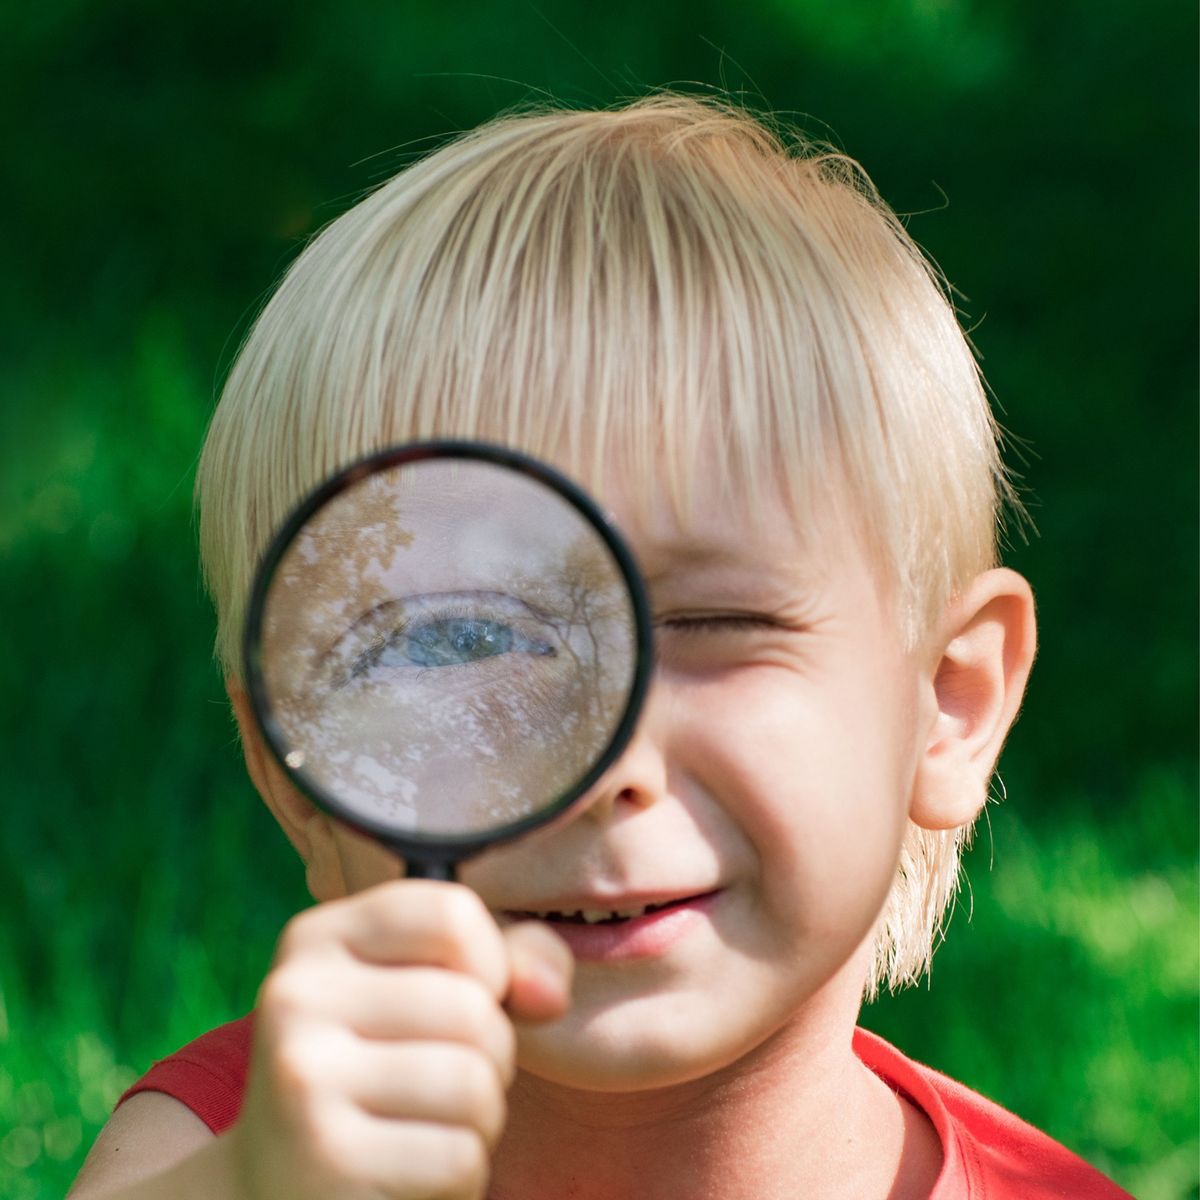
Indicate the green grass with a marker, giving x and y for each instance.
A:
(164, 182)
(1071, 994)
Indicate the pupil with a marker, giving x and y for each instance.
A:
(458, 640)
(469, 638)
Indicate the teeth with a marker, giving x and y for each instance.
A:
(593, 916)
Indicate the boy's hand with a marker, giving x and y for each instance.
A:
(382, 1052)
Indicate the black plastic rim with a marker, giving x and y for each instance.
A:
(445, 850)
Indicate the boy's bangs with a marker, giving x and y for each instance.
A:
(635, 334)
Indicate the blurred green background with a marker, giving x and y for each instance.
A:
(164, 163)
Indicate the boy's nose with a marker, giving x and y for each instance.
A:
(639, 777)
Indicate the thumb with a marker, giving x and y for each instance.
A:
(541, 967)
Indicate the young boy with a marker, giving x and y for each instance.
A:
(737, 349)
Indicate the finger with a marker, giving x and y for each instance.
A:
(394, 1003)
(440, 1082)
(408, 922)
(541, 969)
(409, 1160)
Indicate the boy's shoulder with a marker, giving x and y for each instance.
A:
(208, 1074)
(988, 1153)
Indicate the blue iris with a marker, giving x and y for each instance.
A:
(449, 641)
(455, 640)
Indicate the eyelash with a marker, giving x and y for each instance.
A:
(718, 623)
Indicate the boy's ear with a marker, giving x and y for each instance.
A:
(308, 829)
(979, 661)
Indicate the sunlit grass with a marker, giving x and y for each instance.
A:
(1070, 995)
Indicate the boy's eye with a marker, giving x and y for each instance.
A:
(427, 637)
(454, 640)
(717, 622)
(704, 641)
(449, 642)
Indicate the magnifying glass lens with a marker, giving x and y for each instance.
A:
(449, 647)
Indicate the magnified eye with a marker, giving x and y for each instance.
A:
(452, 642)
(408, 643)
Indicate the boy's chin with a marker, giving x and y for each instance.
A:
(631, 1052)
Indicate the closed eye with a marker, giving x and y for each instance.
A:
(718, 622)
(700, 643)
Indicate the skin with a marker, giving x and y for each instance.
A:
(412, 1042)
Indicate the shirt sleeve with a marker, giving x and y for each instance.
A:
(208, 1075)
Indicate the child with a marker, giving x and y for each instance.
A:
(737, 349)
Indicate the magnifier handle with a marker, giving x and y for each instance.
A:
(423, 869)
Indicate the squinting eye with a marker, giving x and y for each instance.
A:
(726, 623)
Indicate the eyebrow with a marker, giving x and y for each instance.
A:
(692, 555)
(689, 552)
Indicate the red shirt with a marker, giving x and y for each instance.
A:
(987, 1153)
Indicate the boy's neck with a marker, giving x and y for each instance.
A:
(800, 1116)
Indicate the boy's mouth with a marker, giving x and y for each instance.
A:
(592, 916)
(630, 930)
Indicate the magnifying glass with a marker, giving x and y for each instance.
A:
(447, 644)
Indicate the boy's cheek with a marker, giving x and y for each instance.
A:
(364, 862)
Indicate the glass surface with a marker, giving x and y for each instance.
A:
(448, 646)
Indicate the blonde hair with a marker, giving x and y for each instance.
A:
(620, 285)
